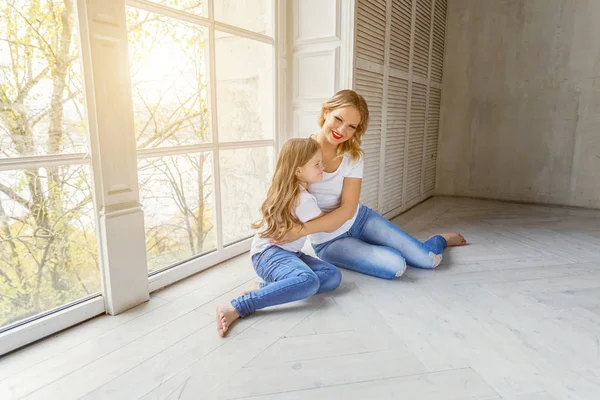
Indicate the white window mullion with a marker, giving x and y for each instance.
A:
(247, 144)
(9, 164)
(174, 150)
(279, 66)
(234, 30)
(168, 12)
(212, 80)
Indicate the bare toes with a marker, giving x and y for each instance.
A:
(219, 321)
(226, 316)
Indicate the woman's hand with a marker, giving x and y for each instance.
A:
(291, 236)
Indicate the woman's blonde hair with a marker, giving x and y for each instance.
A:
(278, 211)
(347, 98)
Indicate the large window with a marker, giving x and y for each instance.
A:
(203, 95)
(203, 87)
(48, 250)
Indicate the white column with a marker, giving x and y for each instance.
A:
(121, 236)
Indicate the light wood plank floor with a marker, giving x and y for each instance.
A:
(514, 315)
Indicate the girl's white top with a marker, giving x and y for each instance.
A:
(306, 210)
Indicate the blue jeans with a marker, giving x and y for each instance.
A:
(287, 277)
(374, 246)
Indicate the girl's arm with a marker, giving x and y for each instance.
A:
(331, 221)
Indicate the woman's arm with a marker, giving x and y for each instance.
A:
(331, 221)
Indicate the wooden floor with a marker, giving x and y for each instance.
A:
(514, 315)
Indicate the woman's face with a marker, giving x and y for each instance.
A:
(340, 124)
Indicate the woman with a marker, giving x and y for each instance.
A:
(352, 235)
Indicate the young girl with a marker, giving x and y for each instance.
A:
(288, 274)
(352, 235)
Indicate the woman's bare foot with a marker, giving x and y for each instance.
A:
(226, 316)
(255, 286)
(453, 239)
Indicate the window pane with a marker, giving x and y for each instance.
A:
(177, 195)
(245, 93)
(48, 249)
(169, 83)
(245, 178)
(253, 15)
(198, 7)
(41, 90)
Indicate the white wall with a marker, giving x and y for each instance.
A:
(320, 54)
(521, 104)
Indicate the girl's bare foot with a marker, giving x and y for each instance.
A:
(226, 316)
(255, 286)
(453, 239)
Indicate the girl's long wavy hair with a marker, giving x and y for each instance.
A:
(346, 98)
(278, 210)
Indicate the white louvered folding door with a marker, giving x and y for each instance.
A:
(369, 82)
(398, 65)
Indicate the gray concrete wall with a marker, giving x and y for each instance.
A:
(521, 101)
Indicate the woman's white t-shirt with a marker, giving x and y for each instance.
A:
(306, 210)
(328, 193)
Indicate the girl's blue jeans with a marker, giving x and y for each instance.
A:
(287, 277)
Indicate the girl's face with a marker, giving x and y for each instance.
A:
(312, 171)
(340, 124)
